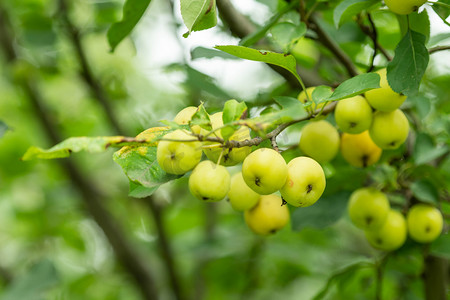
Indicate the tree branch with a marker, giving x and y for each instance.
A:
(126, 253)
(372, 33)
(438, 48)
(328, 42)
(86, 72)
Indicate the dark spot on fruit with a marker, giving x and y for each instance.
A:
(353, 124)
(273, 231)
(205, 198)
(393, 143)
(427, 229)
(226, 157)
(257, 181)
(172, 156)
(379, 241)
(369, 220)
(283, 202)
(365, 160)
(309, 188)
(415, 8)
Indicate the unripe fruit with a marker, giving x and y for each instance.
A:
(359, 150)
(425, 223)
(305, 52)
(178, 157)
(268, 216)
(404, 7)
(302, 98)
(391, 235)
(231, 156)
(264, 171)
(384, 98)
(185, 115)
(353, 115)
(209, 182)
(241, 196)
(305, 182)
(368, 208)
(319, 140)
(389, 129)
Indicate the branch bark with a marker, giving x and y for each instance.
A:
(435, 277)
(438, 48)
(93, 199)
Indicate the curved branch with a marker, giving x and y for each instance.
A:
(438, 48)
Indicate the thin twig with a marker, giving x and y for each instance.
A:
(328, 42)
(438, 48)
(370, 32)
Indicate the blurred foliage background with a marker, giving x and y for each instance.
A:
(68, 229)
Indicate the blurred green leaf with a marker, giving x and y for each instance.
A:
(348, 8)
(282, 60)
(77, 144)
(133, 10)
(441, 246)
(3, 128)
(405, 71)
(198, 14)
(425, 149)
(197, 80)
(425, 191)
(443, 11)
(139, 191)
(33, 285)
(141, 167)
(438, 38)
(261, 32)
(355, 86)
(321, 93)
(202, 52)
(201, 118)
(232, 111)
(417, 22)
(325, 212)
(285, 34)
(292, 108)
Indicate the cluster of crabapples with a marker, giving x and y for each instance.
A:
(386, 229)
(266, 182)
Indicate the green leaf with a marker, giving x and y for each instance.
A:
(198, 14)
(141, 167)
(418, 22)
(202, 82)
(355, 86)
(406, 69)
(325, 212)
(77, 144)
(3, 128)
(202, 52)
(140, 191)
(201, 118)
(33, 285)
(260, 33)
(321, 93)
(438, 38)
(348, 8)
(425, 191)
(292, 108)
(422, 105)
(442, 10)
(441, 246)
(285, 34)
(425, 149)
(287, 62)
(133, 10)
(232, 111)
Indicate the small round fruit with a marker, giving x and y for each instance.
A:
(404, 7)
(268, 216)
(389, 129)
(425, 223)
(368, 208)
(305, 52)
(319, 140)
(302, 98)
(353, 115)
(391, 235)
(209, 182)
(185, 115)
(178, 157)
(230, 156)
(264, 171)
(305, 182)
(384, 98)
(241, 196)
(359, 150)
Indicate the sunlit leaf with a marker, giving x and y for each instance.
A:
(198, 14)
